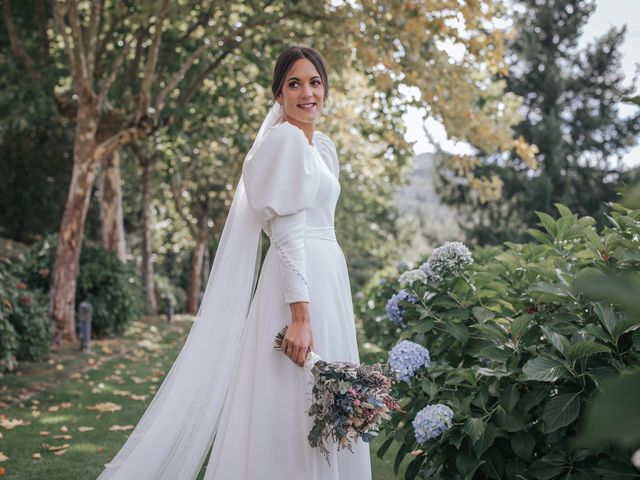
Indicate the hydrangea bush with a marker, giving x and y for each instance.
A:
(520, 338)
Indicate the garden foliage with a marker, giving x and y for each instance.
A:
(521, 339)
(110, 286)
(25, 330)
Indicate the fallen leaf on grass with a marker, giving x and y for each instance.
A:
(55, 408)
(3, 457)
(115, 428)
(105, 407)
(133, 396)
(84, 429)
(10, 423)
(35, 413)
(2, 470)
(63, 437)
(61, 452)
(36, 456)
(64, 428)
(55, 448)
(59, 366)
(122, 393)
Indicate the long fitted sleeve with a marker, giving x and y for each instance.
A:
(281, 182)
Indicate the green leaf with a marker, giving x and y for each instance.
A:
(539, 236)
(414, 467)
(558, 341)
(548, 223)
(384, 447)
(549, 292)
(519, 325)
(560, 411)
(487, 439)
(563, 210)
(423, 327)
(474, 427)
(509, 421)
(482, 314)
(543, 369)
(509, 397)
(522, 444)
(614, 415)
(458, 331)
(607, 317)
(614, 470)
(584, 348)
(491, 331)
(402, 452)
(493, 353)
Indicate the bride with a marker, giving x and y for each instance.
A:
(229, 391)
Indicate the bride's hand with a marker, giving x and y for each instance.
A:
(299, 337)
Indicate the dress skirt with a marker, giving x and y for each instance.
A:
(262, 434)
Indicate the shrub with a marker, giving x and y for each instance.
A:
(520, 341)
(110, 286)
(25, 330)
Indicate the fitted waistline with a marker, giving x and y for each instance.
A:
(325, 233)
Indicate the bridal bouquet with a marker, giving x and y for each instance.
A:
(349, 401)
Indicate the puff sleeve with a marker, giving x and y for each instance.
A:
(281, 182)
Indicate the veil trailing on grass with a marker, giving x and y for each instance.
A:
(175, 433)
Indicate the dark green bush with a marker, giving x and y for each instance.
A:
(111, 287)
(520, 343)
(25, 329)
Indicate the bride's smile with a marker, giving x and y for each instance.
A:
(302, 97)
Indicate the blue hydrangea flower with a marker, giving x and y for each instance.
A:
(448, 259)
(432, 421)
(394, 310)
(406, 357)
(410, 276)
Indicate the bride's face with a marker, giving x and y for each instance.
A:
(302, 86)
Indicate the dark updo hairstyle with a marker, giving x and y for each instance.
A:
(288, 58)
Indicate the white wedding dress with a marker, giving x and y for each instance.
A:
(262, 434)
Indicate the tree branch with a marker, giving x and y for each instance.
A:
(173, 184)
(108, 82)
(92, 41)
(59, 13)
(78, 48)
(152, 59)
(16, 45)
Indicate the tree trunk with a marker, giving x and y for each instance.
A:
(111, 209)
(62, 294)
(193, 300)
(147, 262)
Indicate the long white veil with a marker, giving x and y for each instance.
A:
(175, 433)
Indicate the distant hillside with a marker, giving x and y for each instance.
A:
(425, 222)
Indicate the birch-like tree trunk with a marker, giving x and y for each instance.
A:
(66, 267)
(195, 283)
(111, 208)
(147, 259)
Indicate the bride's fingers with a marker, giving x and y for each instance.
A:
(295, 354)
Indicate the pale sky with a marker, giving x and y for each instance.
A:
(608, 13)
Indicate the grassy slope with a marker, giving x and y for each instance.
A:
(53, 397)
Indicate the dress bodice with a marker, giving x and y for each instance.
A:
(322, 212)
(293, 188)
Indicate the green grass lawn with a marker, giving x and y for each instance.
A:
(48, 427)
